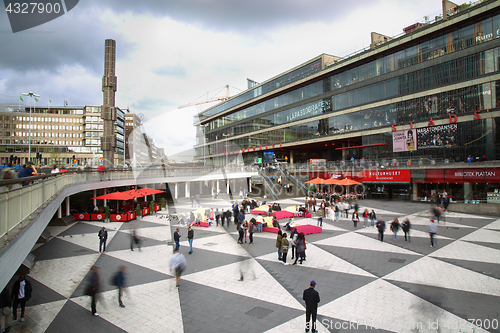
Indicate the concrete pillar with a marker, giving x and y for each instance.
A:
(414, 195)
(95, 200)
(201, 188)
(250, 185)
(468, 192)
(227, 186)
(217, 182)
(59, 212)
(188, 189)
(175, 190)
(67, 207)
(154, 197)
(105, 201)
(291, 156)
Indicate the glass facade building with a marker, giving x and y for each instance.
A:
(439, 82)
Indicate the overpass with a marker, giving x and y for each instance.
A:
(25, 211)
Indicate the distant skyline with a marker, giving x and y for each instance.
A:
(171, 53)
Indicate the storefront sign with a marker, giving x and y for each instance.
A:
(437, 136)
(118, 217)
(387, 176)
(476, 175)
(81, 216)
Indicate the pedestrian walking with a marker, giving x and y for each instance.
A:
(178, 265)
(190, 237)
(93, 289)
(20, 294)
(284, 248)
(365, 218)
(103, 237)
(120, 283)
(406, 228)
(5, 311)
(355, 219)
(253, 228)
(395, 228)
(177, 237)
(381, 229)
(311, 297)
(217, 216)
(245, 229)
(337, 212)
(134, 238)
(278, 243)
(432, 229)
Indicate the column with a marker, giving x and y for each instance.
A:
(105, 201)
(59, 211)
(218, 189)
(95, 200)
(188, 189)
(227, 186)
(201, 188)
(468, 192)
(67, 206)
(414, 195)
(291, 156)
(175, 190)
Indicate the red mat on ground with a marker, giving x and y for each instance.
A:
(201, 224)
(282, 214)
(307, 229)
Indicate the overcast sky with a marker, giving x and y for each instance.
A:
(172, 52)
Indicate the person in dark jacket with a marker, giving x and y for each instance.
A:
(5, 305)
(21, 293)
(381, 229)
(190, 237)
(311, 297)
(120, 283)
(241, 217)
(406, 228)
(177, 238)
(103, 237)
(93, 289)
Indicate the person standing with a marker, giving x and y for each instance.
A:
(5, 305)
(432, 229)
(381, 229)
(284, 248)
(355, 219)
(217, 216)
(245, 229)
(395, 228)
(373, 217)
(177, 238)
(252, 229)
(406, 228)
(93, 289)
(120, 283)
(278, 243)
(178, 265)
(21, 293)
(293, 238)
(190, 237)
(300, 243)
(241, 233)
(365, 218)
(311, 297)
(103, 237)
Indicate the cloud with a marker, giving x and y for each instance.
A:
(177, 71)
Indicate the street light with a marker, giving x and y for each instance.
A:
(31, 95)
(226, 136)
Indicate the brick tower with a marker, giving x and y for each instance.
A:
(108, 111)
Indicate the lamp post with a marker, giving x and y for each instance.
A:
(226, 136)
(31, 95)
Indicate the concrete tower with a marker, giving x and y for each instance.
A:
(108, 111)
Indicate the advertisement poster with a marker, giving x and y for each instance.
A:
(437, 136)
(404, 140)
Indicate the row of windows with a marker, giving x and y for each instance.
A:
(438, 106)
(441, 74)
(43, 134)
(40, 119)
(40, 142)
(465, 37)
(44, 127)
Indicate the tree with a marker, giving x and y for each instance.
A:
(138, 212)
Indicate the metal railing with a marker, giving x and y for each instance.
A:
(299, 185)
(269, 186)
(21, 198)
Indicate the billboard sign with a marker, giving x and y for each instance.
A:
(404, 140)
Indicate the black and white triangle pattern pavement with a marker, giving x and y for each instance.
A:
(364, 284)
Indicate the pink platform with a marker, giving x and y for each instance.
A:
(307, 229)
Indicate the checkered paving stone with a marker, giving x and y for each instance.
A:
(365, 285)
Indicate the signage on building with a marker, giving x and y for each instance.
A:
(310, 110)
(437, 136)
(387, 176)
(404, 140)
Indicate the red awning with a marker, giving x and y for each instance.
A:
(142, 192)
(127, 195)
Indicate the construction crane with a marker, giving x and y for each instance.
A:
(213, 99)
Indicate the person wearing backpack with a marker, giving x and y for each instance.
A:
(406, 228)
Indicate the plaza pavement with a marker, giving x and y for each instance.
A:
(364, 284)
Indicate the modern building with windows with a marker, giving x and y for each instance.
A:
(58, 134)
(426, 97)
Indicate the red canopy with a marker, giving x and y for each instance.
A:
(347, 182)
(317, 181)
(142, 192)
(127, 195)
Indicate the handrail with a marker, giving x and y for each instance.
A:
(300, 185)
(270, 186)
